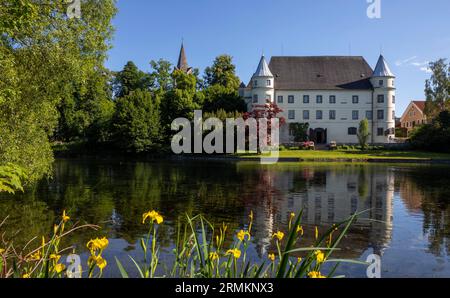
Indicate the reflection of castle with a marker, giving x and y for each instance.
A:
(328, 197)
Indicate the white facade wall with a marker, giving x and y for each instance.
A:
(337, 129)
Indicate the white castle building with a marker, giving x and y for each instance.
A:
(331, 93)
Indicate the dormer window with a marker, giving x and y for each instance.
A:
(269, 83)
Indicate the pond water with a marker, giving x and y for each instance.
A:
(407, 221)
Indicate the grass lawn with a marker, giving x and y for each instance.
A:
(361, 155)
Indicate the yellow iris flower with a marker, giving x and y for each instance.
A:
(235, 252)
(98, 244)
(300, 230)
(55, 257)
(241, 235)
(279, 235)
(271, 257)
(213, 256)
(315, 274)
(36, 256)
(320, 256)
(153, 216)
(65, 217)
(59, 268)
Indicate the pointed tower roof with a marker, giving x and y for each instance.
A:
(382, 69)
(263, 69)
(182, 61)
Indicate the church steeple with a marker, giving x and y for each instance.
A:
(182, 61)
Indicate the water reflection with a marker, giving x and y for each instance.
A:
(115, 194)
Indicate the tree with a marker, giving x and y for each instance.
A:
(130, 79)
(86, 114)
(181, 101)
(363, 133)
(44, 58)
(222, 87)
(222, 72)
(299, 131)
(437, 88)
(136, 122)
(268, 111)
(434, 136)
(161, 76)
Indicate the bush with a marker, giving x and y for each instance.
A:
(434, 136)
(136, 122)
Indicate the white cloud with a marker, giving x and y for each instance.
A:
(413, 61)
(401, 62)
(426, 69)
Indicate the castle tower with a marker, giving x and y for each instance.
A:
(182, 61)
(383, 81)
(262, 85)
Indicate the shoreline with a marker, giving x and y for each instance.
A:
(314, 160)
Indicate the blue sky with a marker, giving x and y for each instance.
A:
(409, 33)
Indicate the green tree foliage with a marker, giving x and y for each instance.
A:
(86, 115)
(11, 177)
(182, 100)
(363, 133)
(45, 58)
(130, 79)
(222, 72)
(437, 88)
(161, 76)
(222, 87)
(299, 131)
(434, 136)
(136, 122)
(222, 115)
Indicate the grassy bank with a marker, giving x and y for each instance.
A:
(358, 155)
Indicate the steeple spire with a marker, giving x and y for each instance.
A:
(263, 69)
(382, 69)
(182, 61)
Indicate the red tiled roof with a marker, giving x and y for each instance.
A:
(420, 104)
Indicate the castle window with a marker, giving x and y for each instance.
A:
(291, 99)
(280, 99)
(369, 115)
(381, 82)
(380, 114)
(332, 99)
(381, 98)
(305, 98)
(393, 98)
(291, 115)
(352, 131)
(255, 83)
(355, 115)
(332, 115)
(355, 99)
(306, 115)
(380, 132)
(255, 98)
(319, 99)
(269, 83)
(319, 115)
